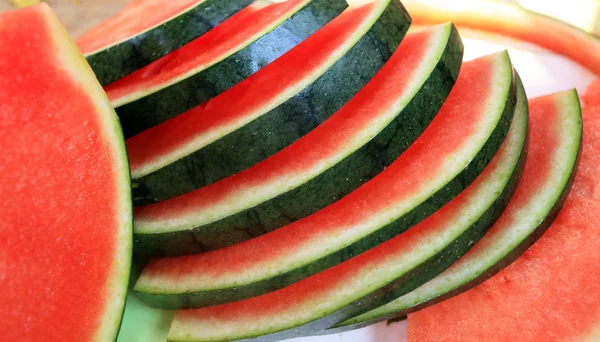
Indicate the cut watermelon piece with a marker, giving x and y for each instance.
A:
(269, 110)
(65, 233)
(511, 20)
(378, 275)
(549, 294)
(321, 167)
(551, 161)
(221, 58)
(148, 29)
(436, 168)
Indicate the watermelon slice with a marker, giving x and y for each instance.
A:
(552, 158)
(588, 187)
(65, 233)
(148, 29)
(269, 110)
(378, 275)
(389, 204)
(550, 293)
(302, 179)
(511, 20)
(217, 60)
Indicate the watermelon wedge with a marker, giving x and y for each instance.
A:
(65, 233)
(146, 30)
(512, 20)
(389, 204)
(322, 166)
(376, 276)
(549, 294)
(221, 58)
(545, 184)
(270, 109)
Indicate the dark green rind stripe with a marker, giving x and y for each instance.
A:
(452, 189)
(287, 122)
(186, 94)
(136, 52)
(413, 279)
(336, 182)
(402, 314)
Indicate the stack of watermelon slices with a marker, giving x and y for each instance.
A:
(298, 168)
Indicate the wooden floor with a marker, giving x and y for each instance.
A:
(78, 15)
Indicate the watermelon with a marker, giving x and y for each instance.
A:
(511, 20)
(549, 294)
(389, 204)
(376, 276)
(269, 110)
(552, 158)
(219, 59)
(65, 234)
(301, 179)
(148, 29)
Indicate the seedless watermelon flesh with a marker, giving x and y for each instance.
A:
(65, 233)
(551, 162)
(509, 19)
(550, 293)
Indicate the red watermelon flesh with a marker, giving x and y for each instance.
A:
(552, 292)
(65, 233)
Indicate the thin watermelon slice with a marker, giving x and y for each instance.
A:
(321, 167)
(221, 58)
(545, 184)
(389, 204)
(148, 29)
(378, 275)
(65, 233)
(550, 293)
(269, 110)
(588, 187)
(511, 20)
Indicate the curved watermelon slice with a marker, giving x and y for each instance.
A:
(65, 233)
(221, 58)
(146, 30)
(270, 109)
(320, 167)
(511, 20)
(550, 293)
(547, 178)
(436, 168)
(378, 275)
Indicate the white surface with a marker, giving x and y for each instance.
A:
(542, 73)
